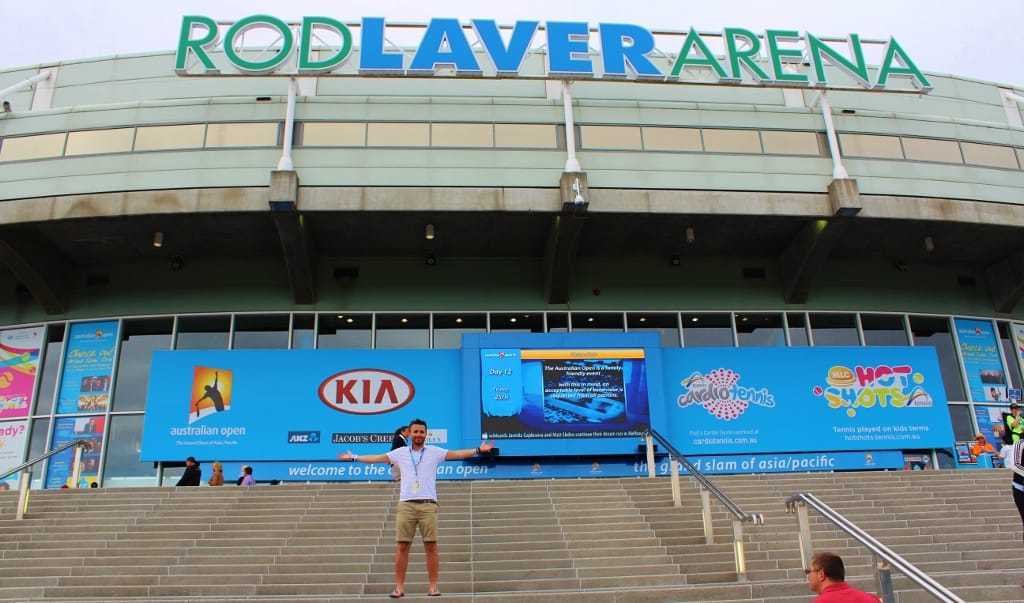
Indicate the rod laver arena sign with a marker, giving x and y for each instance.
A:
(560, 49)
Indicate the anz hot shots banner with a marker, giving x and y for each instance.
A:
(729, 400)
(249, 405)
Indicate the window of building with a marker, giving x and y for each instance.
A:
(594, 322)
(707, 330)
(163, 138)
(665, 324)
(139, 339)
(398, 134)
(241, 135)
(963, 425)
(333, 134)
(1010, 352)
(883, 329)
(871, 145)
(122, 466)
(203, 333)
(610, 137)
(449, 328)
(671, 139)
(50, 364)
(935, 332)
(41, 146)
(797, 322)
(303, 335)
(834, 329)
(511, 322)
(928, 149)
(261, 332)
(36, 448)
(558, 322)
(462, 135)
(344, 331)
(759, 330)
(403, 331)
(731, 141)
(790, 143)
(92, 142)
(989, 155)
(534, 136)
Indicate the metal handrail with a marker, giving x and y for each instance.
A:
(707, 484)
(80, 446)
(885, 558)
(43, 457)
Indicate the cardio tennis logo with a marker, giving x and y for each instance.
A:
(366, 391)
(869, 386)
(720, 395)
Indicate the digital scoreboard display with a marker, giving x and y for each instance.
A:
(563, 393)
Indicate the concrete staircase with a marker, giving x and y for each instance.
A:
(604, 541)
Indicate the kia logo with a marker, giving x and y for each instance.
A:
(366, 391)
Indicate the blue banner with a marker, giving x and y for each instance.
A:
(732, 400)
(88, 366)
(69, 429)
(249, 405)
(979, 350)
(548, 468)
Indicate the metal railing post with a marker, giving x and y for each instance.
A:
(705, 504)
(76, 467)
(651, 470)
(883, 580)
(806, 546)
(739, 550)
(677, 495)
(24, 480)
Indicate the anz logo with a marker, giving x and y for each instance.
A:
(303, 437)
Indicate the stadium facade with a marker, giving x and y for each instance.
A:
(419, 209)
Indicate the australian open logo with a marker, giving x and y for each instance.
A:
(211, 392)
(719, 393)
(883, 386)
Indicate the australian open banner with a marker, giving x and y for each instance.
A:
(729, 400)
(249, 405)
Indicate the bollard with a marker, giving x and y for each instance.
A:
(76, 467)
(677, 496)
(883, 580)
(739, 550)
(651, 469)
(709, 528)
(23, 484)
(806, 546)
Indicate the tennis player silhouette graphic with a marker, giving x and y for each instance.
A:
(213, 394)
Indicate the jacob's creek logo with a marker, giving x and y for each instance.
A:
(303, 437)
(720, 395)
(869, 386)
(366, 391)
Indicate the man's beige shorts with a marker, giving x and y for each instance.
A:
(410, 515)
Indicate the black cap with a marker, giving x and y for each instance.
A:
(191, 458)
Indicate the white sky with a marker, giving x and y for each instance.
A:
(974, 38)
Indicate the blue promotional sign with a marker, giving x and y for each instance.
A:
(979, 350)
(69, 429)
(88, 367)
(563, 393)
(548, 467)
(733, 400)
(252, 405)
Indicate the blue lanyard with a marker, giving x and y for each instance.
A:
(415, 463)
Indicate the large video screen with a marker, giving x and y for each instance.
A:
(563, 393)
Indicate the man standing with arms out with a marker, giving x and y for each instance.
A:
(827, 576)
(418, 499)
